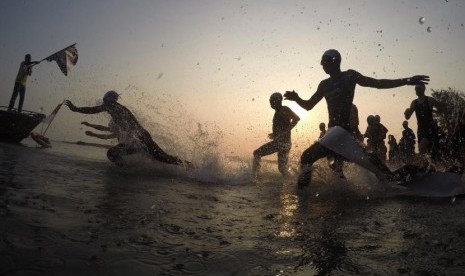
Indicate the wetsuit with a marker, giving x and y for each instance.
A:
(339, 94)
(127, 123)
(426, 126)
(354, 122)
(283, 120)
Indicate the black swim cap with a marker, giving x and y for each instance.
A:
(110, 96)
(333, 54)
(276, 96)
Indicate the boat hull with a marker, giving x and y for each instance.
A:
(14, 126)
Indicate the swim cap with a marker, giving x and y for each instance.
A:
(332, 53)
(276, 96)
(371, 119)
(420, 86)
(110, 96)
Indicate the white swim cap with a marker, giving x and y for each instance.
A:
(110, 96)
(276, 96)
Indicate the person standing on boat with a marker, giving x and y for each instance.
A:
(25, 70)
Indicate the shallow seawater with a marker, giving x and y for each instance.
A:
(68, 211)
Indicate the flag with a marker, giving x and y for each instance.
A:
(65, 58)
(48, 120)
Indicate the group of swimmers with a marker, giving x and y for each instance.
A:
(338, 91)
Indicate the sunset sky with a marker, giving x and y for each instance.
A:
(215, 63)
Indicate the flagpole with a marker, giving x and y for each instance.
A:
(43, 134)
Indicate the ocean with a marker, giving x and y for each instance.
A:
(67, 210)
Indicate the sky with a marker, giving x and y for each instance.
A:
(180, 65)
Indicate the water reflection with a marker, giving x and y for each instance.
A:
(325, 251)
(289, 203)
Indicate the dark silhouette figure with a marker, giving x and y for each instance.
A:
(375, 134)
(459, 133)
(393, 148)
(126, 123)
(381, 149)
(354, 122)
(25, 70)
(370, 133)
(427, 131)
(338, 91)
(322, 128)
(407, 143)
(284, 120)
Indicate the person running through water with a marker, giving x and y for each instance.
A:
(284, 120)
(381, 149)
(393, 149)
(126, 123)
(427, 132)
(338, 91)
(407, 143)
(25, 70)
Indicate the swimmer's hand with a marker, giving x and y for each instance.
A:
(85, 123)
(291, 95)
(419, 79)
(71, 106)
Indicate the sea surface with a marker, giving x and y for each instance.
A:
(67, 210)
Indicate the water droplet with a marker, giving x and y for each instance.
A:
(317, 195)
(429, 29)
(368, 198)
(453, 199)
(422, 20)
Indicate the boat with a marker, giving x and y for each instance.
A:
(14, 126)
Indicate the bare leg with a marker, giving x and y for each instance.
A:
(266, 149)
(310, 156)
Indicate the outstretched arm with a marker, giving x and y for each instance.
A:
(387, 83)
(101, 136)
(85, 110)
(97, 127)
(305, 104)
